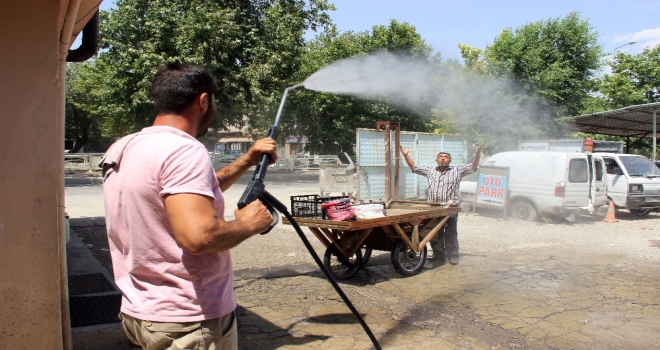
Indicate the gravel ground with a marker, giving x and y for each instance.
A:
(479, 234)
(632, 244)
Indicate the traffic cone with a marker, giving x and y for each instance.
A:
(610, 216)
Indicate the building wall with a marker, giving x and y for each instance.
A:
(31, 297)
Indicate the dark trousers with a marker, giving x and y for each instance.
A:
(446, 244)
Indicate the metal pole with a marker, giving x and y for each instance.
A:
(654, 133)
(397, 142)
(388, 164)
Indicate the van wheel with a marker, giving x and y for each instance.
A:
(523, 211)
(640, 212)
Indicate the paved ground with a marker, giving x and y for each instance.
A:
(551, 291)
(519, 285)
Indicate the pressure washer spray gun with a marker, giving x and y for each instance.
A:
(256, 189)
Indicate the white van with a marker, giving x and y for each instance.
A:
(633, 182)
(556, 183)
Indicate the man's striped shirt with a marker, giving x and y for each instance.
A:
(443, 186)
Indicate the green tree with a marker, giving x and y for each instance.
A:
(635, 79)
(252, 47)
(473, 58)
(641, 73)
(330, 120)
(552, 64)
(79, 125)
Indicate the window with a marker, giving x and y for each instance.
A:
(639, 166)
(599, 170)
(612, 166)
(577, 171)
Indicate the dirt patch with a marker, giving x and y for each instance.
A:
(457, 320)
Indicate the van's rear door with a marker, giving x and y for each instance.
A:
(577, 180)
(599, 181)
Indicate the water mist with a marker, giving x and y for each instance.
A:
(476, 102)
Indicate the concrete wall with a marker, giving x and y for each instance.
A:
(33, 302)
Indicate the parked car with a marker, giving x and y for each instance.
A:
(558, 183)
(230, 155)
(633, 182)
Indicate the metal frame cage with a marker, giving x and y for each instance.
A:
(309, 206)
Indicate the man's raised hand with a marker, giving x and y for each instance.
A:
(266, 145)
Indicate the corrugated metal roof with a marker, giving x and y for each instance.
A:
(632, 121)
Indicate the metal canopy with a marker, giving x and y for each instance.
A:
(634, 121)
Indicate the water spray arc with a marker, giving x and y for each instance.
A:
(256, 190)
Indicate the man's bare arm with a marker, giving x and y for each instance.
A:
(409, 160)
(477, 155)
(232, 172)
(228, 175)
(198, 230)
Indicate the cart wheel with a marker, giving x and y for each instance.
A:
(406, 261)
(340, 266)
(366, 255)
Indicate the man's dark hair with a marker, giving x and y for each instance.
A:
(176, 85)
(443, 153)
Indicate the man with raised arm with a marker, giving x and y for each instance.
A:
(168, 238)
(443, 183)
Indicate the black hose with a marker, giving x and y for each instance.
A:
(331, 279)
(256, 189)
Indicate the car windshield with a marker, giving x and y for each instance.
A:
(639, 166)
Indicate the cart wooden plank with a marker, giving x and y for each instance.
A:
(320, 236)
(335, 241)
(389, 233)
(405, 238)
(363, 235)
(417, 202)
(407, 215)
(433, 232)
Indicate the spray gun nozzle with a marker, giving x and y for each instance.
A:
(298, 86)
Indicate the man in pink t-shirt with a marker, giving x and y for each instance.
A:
(164, 207)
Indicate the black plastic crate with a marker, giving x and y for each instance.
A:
(309, 206)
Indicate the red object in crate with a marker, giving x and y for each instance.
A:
(339, 210)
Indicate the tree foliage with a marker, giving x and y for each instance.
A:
(552, 63)
(518, 87)
(527, 81)
(79, 125)
(635, 79)
(252, 47)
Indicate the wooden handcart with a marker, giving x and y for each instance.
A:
(405, 230)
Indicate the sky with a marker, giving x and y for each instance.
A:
(445, 24)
